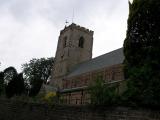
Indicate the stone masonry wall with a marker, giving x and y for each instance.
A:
(14, 110)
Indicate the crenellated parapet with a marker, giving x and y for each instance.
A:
(78, 27)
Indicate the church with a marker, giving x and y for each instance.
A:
(74, 68)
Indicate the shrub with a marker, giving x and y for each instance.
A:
(50, 97)
(102, 93)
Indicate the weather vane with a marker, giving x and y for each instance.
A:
(66, 23)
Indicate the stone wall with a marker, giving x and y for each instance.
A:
(14, 110)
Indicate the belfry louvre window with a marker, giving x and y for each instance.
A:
(81, 42)
(65, 42)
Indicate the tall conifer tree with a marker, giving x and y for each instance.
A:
(142, 52)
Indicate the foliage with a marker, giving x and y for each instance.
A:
(1, 83)
(141, 50)
(14, 82)
(9, 74)
(36, 72)
(50, 97)
(102, 94)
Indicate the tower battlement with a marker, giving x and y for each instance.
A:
(78, 27)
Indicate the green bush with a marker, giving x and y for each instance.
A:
(50, 98)
(102, 93)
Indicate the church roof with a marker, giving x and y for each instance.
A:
(106, 60)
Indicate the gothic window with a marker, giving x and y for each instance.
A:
(65, 42)
(81, 42)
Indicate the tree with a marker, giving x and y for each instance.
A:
(1, 82)
(102, 93)
(36, 72)
(19, 83)
(14, 82)
(9, 74)
(141, 50)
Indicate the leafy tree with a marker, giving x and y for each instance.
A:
(9, 74)
(14, 82)
(19, 83)
(141, 50)
(102, 93)
(1, 82)
(36, 72)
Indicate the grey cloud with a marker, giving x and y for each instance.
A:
(30, 28)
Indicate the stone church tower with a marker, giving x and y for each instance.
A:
(74, 46)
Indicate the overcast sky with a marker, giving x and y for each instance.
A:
(30, 28)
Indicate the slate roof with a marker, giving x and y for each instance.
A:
(106, 60)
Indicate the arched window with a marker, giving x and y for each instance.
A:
(81, 42)
(65, 42)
